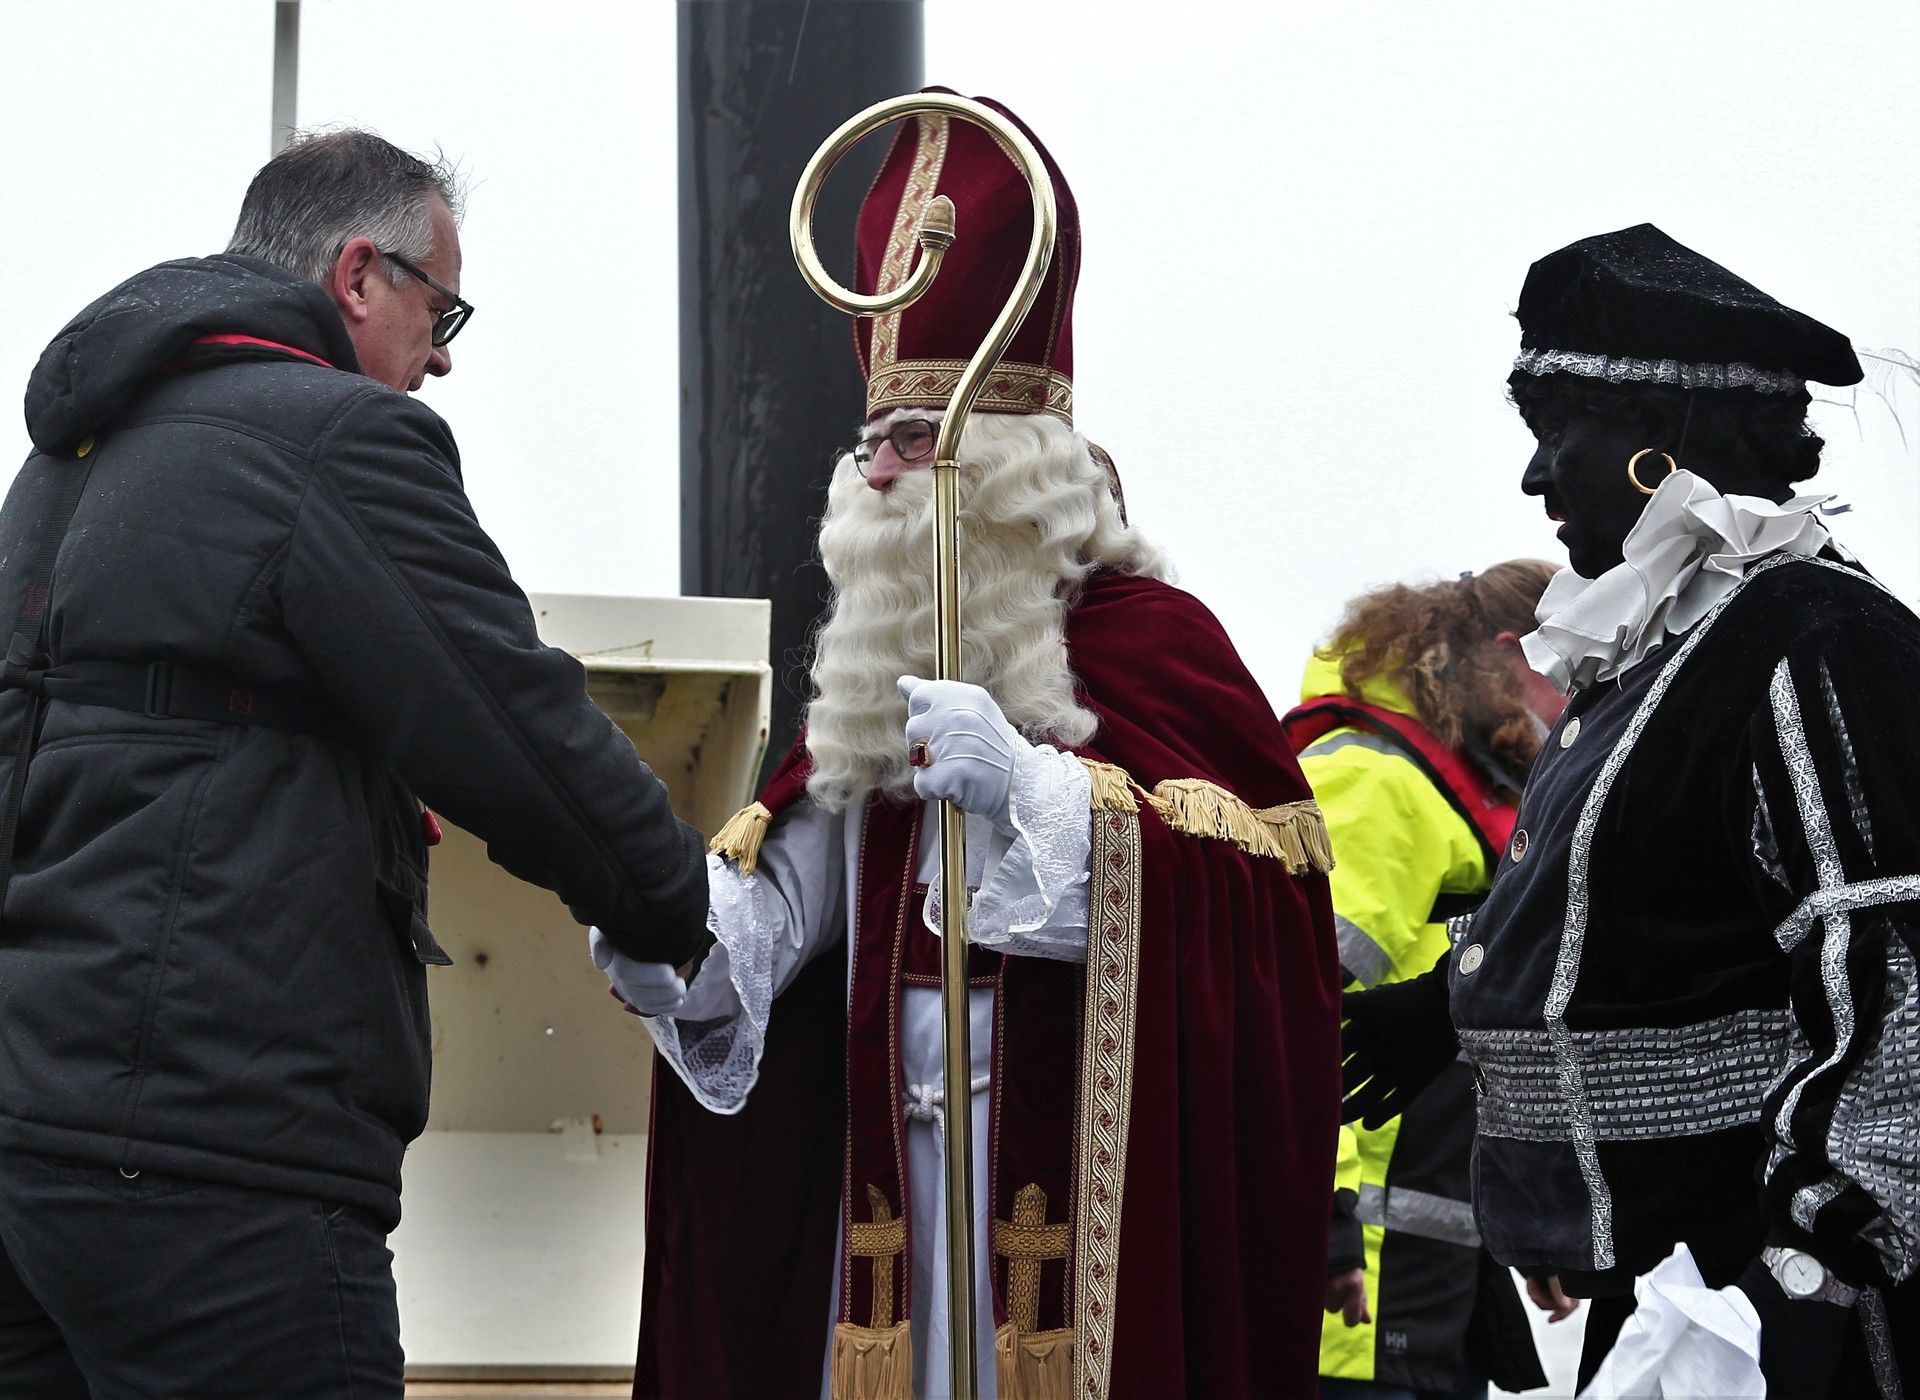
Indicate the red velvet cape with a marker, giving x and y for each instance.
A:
(1235, 1091)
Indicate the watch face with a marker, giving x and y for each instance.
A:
(1802, 1275)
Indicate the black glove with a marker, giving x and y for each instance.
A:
(1801, 1343)
(1396, 1040)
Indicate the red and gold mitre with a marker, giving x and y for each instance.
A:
(914, 357)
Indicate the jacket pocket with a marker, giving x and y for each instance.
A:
(410, 923)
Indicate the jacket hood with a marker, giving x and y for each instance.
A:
(1322, 678)
(96, 365)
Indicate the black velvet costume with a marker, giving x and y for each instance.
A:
(1715, 879)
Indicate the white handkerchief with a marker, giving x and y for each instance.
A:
(1684, 1339)
(1689, 548)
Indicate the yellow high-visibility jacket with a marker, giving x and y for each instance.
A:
(1399, 846)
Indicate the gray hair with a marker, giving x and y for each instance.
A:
(327, 188)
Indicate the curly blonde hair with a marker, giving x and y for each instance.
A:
(1437, 643)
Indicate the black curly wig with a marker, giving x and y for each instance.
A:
(1759, 436)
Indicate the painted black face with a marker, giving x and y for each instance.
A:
(1580, 469)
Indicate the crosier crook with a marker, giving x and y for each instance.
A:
(936, 235)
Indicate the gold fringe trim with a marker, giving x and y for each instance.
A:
(1034, 1365)
(872, 1363)
(739, 840)
(1112, 789)
(1309, 826)
(1294, 833)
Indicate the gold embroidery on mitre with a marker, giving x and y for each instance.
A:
(739, 840)
(871, 1363)
(882, 1241)
(1036, 1365)
(1012, 387)
(929, 155)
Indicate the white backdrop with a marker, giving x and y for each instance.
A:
(1306, 226)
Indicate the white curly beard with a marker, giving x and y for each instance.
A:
(1037, 515)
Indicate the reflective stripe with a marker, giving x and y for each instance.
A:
(1419, 1213)
(1354, 739)
(1360, 954)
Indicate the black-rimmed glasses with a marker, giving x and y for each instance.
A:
(912, 438)
(448, 323)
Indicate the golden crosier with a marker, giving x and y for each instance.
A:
(937, 233)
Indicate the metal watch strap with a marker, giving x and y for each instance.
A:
(1832, 1290)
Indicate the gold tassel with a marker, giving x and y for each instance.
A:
(739, 840)
(872, 1363)
(1036, 1365)
(1112, 788)
(1313, 835)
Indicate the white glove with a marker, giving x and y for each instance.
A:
(970, 747)
(651, 989)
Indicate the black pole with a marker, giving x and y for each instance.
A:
(769, 389)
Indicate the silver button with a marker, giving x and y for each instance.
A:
(1519, 847)
(1471, 959)
(1570, 733)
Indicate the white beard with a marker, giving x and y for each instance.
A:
(1037, 515)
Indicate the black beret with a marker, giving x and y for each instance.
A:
(1637, 306)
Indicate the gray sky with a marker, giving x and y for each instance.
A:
(1305, 228)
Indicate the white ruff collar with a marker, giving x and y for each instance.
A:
(1686, 552)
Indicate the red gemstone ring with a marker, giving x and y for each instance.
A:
(917, 755)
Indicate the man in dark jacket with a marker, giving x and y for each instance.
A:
(271, 628)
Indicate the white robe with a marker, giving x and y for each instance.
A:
(1031, 901)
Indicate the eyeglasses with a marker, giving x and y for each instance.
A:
(912, 438)
(447, 325)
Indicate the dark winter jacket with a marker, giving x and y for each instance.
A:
(211, 951)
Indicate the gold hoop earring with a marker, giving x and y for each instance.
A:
(1634, 477)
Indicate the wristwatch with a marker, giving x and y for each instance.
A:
(1805, 1279)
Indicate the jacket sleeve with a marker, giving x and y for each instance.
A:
(1397, 845)
(1835, 839)
(1346, 1244)
(406, 611)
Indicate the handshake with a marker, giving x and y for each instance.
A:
(962, 750)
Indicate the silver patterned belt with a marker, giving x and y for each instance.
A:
(1644, 1082)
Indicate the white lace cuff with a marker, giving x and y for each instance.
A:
(714, 1041)
(1032, 900)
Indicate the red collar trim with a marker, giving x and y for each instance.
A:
(257, 342)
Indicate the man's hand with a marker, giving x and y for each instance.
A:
(967, 744)
(644, 988)
(1347, 1295)
(1546, 1296)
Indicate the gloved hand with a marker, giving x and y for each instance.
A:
(969, 746)
(645, 988)
(1396, 1040)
